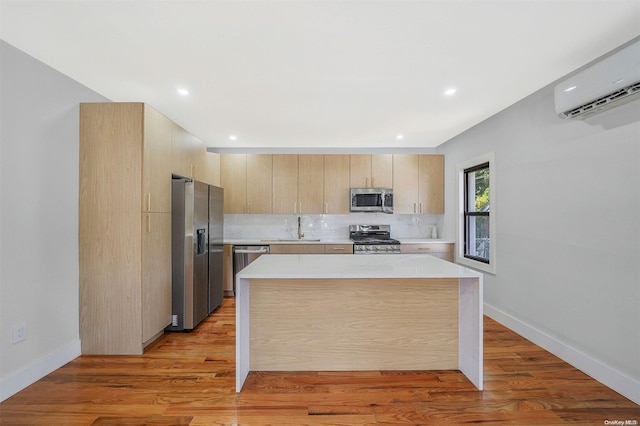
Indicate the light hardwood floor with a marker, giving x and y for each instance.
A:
(188, 379)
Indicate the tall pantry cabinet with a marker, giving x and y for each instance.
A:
(125, 227)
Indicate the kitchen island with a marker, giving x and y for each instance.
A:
(367, 312)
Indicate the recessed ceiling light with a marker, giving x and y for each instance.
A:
(451, 91)
(399, 136)
(183, 92)
(233, 137)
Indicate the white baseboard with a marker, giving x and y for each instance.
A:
(619, 382)
(14, 383)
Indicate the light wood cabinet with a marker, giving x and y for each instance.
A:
(248, 183)
(296, 249)
(190, 158)
(418, 184)
(156, 161)
(431, 184)
(124, 250)
(212, 166)
(311, 184)
(285, 184)
(317, 184)
(156, 268)
(185, 151)
(233, 178)
(311, 249)
(198, 159)
(298, 182)
(259, 183)
(371, 171)
(338, 248)
(405, 183)
(441, 250)
(336, 184)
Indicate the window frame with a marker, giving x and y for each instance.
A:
(478, 163)
(468, 213)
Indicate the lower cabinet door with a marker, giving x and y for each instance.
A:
(156, 274)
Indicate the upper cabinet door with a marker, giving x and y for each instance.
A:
(382, 171)
(311, 184)
(431, 185)
(360, 168)
(156, 162)
(259, 183)
(213, 168)
(198, 156)
(233, 178)
(187, 154)
(336, 184)
(371, 171)
(405, 184)
(285, 184)
(180, 152)
(418, 184)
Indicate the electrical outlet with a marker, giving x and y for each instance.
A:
(19, 332)
(174, 320)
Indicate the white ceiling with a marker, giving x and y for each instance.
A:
(319, 74)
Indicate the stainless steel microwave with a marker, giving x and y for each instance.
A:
(372, 200)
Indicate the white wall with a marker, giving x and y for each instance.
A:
(38, 217)
(568, 233)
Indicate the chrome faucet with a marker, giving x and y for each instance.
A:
(300, 233)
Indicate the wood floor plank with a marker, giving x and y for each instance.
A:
(189, 379)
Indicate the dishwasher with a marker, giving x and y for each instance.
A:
(243, 256)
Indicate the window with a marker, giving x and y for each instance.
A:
(477, 224)
(477, 195)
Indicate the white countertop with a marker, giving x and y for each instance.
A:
(270, 241)
(296, 266)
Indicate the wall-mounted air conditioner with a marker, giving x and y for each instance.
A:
(606, 84)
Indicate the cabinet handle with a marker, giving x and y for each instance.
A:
(148, 223)
(338, 248)
(326, 208)
(149, 202)
(300, 208)
(424, 248)
(414, 207)
(420, 207)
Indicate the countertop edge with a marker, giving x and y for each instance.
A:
(273, 241)
(338, 266)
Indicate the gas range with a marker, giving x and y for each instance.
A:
(373, 239)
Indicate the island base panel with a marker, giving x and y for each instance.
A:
(353, 324)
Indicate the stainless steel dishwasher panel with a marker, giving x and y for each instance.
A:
(243, 256)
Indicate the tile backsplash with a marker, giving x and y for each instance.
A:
(323, 226)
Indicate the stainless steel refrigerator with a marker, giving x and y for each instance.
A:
(196, 215)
